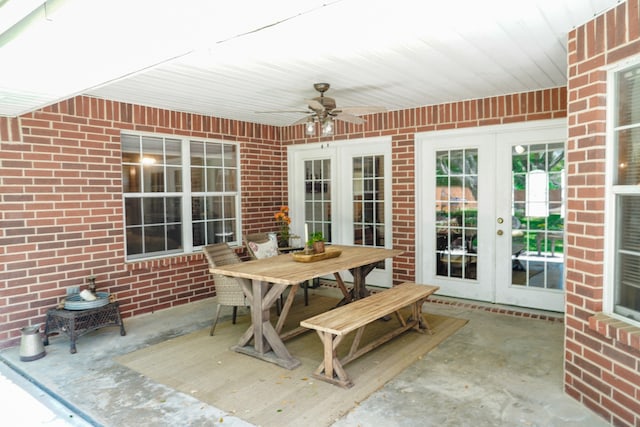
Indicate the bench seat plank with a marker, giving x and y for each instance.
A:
(333, 325)
(347, 318)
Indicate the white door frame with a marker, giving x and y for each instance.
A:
(493, 265)
(341, 153)
(549, 131)
(481, 288)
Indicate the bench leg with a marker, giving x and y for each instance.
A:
(331, 370)
(422, 322)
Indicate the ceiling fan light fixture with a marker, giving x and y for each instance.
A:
(310, 128)
(327, 127)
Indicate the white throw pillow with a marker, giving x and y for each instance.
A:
(264, 250)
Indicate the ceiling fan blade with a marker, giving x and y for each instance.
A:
(346, 117)
(300, 121)
(314, 104)
(283, 111)
(358, 111)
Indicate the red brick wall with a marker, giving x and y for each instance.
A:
(602, 355)
(61, 207)
(60, 189)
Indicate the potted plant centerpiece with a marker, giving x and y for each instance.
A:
(283, 221)
(316, 241)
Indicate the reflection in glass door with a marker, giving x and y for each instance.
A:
(368, 201)
(456, 212)
(317, 197)
(538, 216)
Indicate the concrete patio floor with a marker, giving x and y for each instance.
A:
(504, 368)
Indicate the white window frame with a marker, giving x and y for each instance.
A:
(609, 274)
(186, 197)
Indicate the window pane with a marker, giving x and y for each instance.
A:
(197, 153)
(317, 208)
(131, 177)
(173, 154)
(214, 179)
(456, 162)
(368, 200)
(628, 106)
(456, 213)
(133, 211)
(174, 209)
(213, 154)
(153, 165)
(628, 250)
(154, 240)
(134, 241)
(197, 179)
(626, 178)
(230, 180)
(153, 179)
(130, 149)
(214, 207)
(197, 208)
(152, 149)
(153, 210)
(629, 157)
(230, 156)
(174, 179)
(198, 235)
(174, 237)
(229, 207)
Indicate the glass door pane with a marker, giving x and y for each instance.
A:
(317, 198)
(456, 213)
(368, 201)
(538, 216)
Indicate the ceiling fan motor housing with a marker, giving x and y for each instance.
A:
(328, 103)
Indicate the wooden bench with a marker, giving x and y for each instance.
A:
(332, 326)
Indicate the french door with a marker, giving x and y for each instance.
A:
(490, 210)
(343, 189)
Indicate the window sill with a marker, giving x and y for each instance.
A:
(171, 260)
(161, 262)
(616, 329)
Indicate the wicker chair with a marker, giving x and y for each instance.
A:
(228, 289)
(259, 246)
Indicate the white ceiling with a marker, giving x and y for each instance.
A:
(232, 59)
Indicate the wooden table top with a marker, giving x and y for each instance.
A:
(285, 270)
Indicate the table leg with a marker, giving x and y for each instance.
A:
(359, 280)
(343, 288)
(267, 344)
(259, 316)
(285, 309)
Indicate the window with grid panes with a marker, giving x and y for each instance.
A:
(624, 194)
(179, 194)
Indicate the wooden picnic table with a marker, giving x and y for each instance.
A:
(269, 279)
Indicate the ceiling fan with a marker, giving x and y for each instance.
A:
(323, 109)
